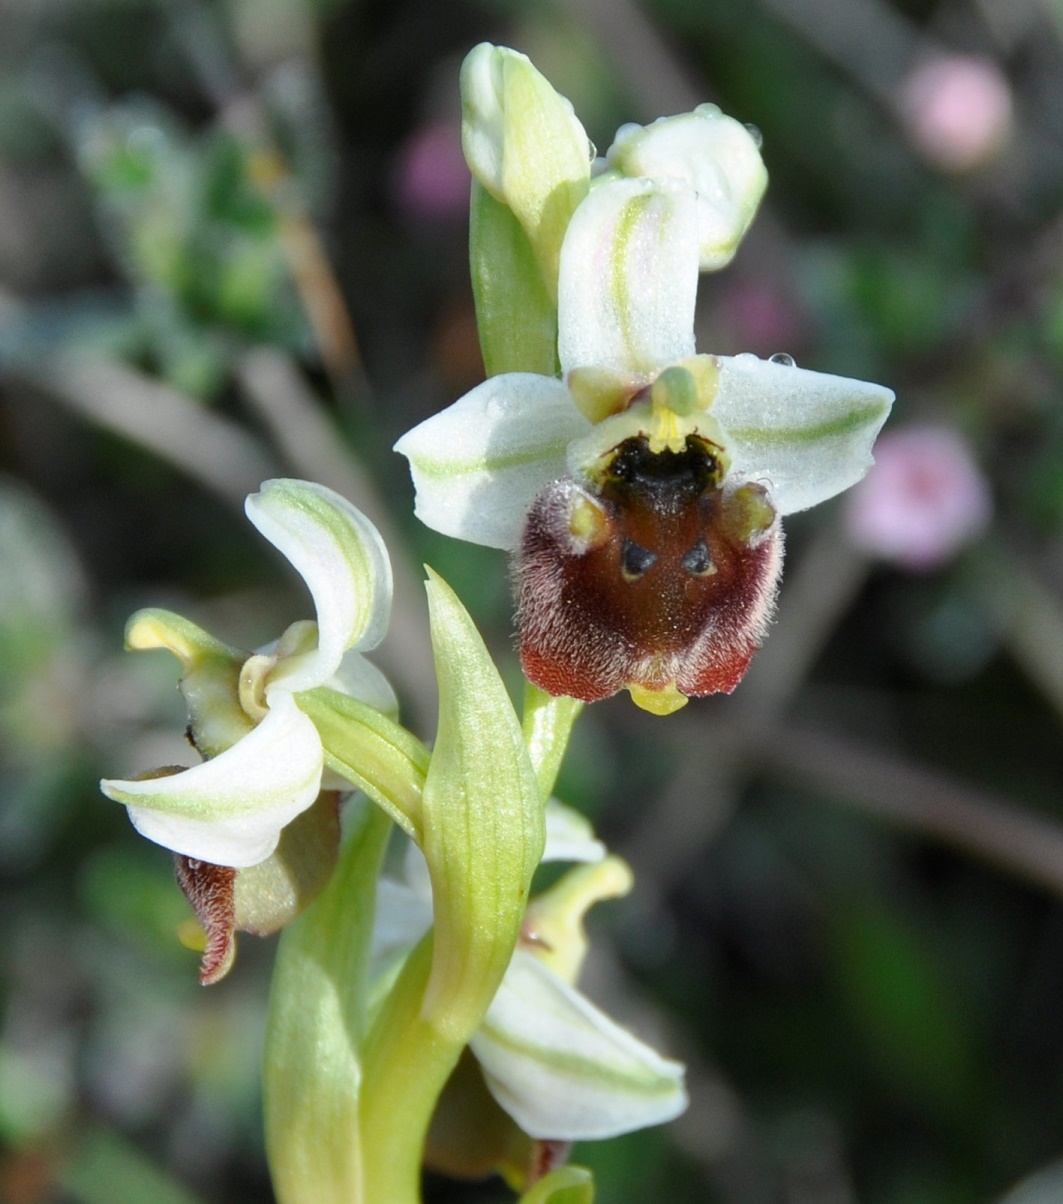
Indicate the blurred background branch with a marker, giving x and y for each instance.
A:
(232, 245)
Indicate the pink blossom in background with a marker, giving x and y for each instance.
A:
(432, 181)
(762, 317)
(922, 501)
(957, 109)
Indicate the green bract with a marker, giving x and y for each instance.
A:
(264, 757)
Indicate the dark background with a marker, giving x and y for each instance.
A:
(232, 245)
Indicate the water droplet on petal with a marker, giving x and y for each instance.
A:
(756, 135)
(781, 357)
(747, 357)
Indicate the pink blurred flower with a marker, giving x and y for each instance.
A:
(957, 109)
(923, 500)
(761, 316)
(432, 181)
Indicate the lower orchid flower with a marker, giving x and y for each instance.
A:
(641, 493)
(263, 758)
(558, 1065)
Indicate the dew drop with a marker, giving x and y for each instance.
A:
(756, 135)
(781, 357)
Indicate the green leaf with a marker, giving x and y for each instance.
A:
(107, 1169)
(372, 752)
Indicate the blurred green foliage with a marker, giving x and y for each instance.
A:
(866, 991)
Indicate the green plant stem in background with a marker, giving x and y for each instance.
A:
(547, 725)
(350, 1092)
(317, 1020)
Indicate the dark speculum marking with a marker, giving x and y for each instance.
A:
(635, 560)
(698, 561)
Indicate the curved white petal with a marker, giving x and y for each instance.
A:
(360, 678)
(230, 810)
(629, 277)
(808, 433)
(478, 464)
(343, 561)
(569, 835)
(562, 1069)
(717, 156)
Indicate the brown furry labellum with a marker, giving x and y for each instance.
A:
(657, 574)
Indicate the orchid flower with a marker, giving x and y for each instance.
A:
(561, 1068)
(641, 492)
(263, 757)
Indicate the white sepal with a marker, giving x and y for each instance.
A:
(478, 464)
(808, 434)
(562, 1069)
(230, 810)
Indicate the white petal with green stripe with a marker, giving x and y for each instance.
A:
(344, 563)
(230, 810)
(562, 1069)
(629, 277)
(478, 464)
(717, 156)
(808, 433)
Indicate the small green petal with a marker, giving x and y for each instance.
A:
(230, 810)
(372, 752)
(342, 559)
(516, 316)
(553, 925)
(210, 676)
(566, 1185)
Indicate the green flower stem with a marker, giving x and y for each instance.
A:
(373, 752)
(407, 1060)
(547, 726)
(317, 1022)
